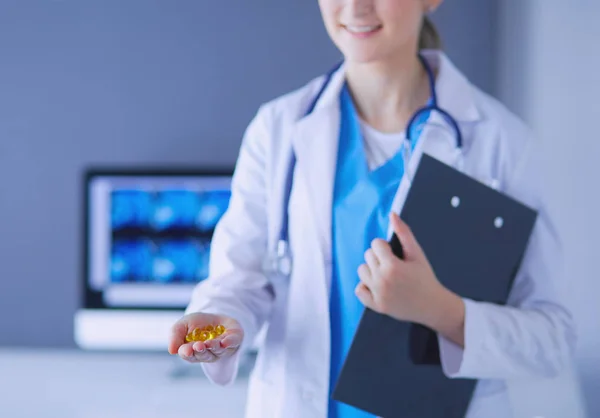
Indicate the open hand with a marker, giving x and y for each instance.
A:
(210, 351)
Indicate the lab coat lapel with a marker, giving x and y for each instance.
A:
(315, 141)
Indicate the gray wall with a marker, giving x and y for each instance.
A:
(550, 59)
(142, 82)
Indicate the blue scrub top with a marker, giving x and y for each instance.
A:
(361, 206)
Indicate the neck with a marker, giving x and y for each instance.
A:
(386, 94)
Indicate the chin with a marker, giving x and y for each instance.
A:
(368, 52)
(363, 57)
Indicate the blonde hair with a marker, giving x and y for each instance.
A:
(429, 37)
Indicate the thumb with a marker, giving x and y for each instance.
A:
(178, 332)
(412, 249)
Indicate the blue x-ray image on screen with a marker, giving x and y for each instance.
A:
(131, 260)
(130, 208)
(163, 235)
(213, 206)
(168, 210)
(180, 261)
(175, 209)
(167, 261)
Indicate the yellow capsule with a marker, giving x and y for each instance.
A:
(209, 328)
(213, 335)
(196, 334)
(204, 336)
(189, 338)
(219, 329)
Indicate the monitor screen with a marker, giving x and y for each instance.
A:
(148, 236)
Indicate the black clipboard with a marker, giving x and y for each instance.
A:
(475, 238)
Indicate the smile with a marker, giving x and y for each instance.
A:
(363, 30)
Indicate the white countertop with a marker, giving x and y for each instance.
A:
(74, 384)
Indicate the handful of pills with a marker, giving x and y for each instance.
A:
(209, 332)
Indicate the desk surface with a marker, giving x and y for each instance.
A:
(75, 384)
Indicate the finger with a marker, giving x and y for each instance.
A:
(199, 347)
(365, 275)
(214, 346)
(178, 333)
(202, 354)
(409, 243)
(232, 340)
(382, 251)
(371, 259)
(203, 357)
(364, 295)
(188, 353)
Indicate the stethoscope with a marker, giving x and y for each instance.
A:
(280, 259)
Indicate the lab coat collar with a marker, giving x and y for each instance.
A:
(454, 91)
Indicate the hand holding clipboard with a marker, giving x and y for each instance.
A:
(398, 280)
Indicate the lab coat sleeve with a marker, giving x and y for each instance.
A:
(533, 335)
(237, 286)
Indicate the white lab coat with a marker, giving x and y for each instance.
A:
(511, 350)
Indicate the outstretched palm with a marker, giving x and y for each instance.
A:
(209, 351)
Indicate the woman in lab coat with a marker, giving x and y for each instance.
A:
(341, 259)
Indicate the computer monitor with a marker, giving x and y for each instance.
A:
(146, 241)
